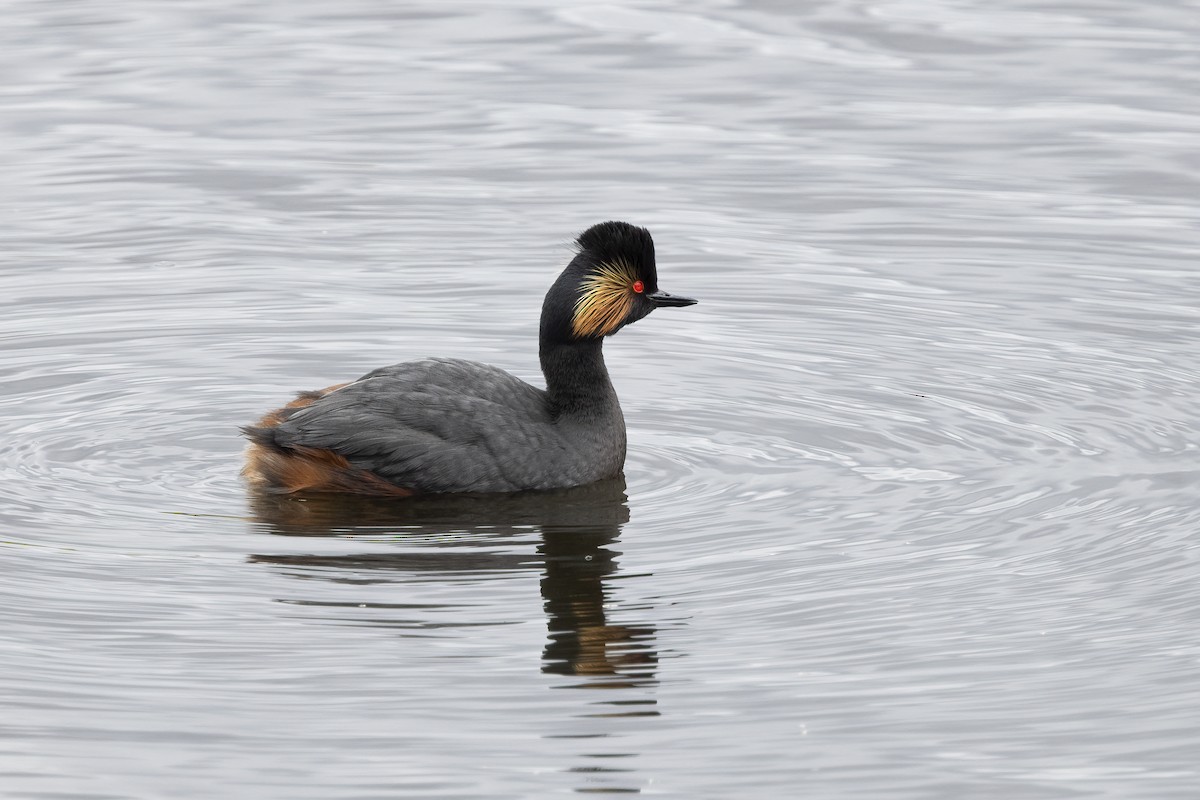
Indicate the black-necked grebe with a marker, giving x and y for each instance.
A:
(447, 425)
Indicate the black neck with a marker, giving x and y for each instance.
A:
(577, 381)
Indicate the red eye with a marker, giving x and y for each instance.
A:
(639, 287)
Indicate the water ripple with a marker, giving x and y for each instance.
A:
(909, 508)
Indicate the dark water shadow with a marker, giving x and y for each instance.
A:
(454, 536)
(597, 506)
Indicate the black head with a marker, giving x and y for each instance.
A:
(611, 282)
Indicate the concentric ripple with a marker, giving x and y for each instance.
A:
(910, 506)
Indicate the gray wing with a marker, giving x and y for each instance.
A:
(437, 425)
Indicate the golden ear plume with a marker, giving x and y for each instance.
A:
(605, 298)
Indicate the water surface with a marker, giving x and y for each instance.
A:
(911, 503)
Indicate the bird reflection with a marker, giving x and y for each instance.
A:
(577, 526)
(581, 640)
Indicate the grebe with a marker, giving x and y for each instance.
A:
(449, 425)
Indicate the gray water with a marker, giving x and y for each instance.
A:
(911, 507)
